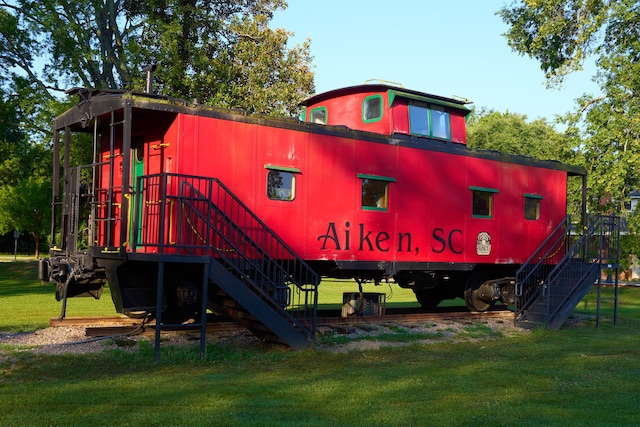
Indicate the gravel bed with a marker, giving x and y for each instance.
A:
(72, 339)
(54, 340)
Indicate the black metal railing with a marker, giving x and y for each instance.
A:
(533, 272)
(569, 281)
(558, 284)
(591, 249)
(190, 215)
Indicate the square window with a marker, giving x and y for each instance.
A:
(440, 123)
(318, 115)
(372, 109)
(532, 208)
(482, 204)
(429, 120)
(281, 185)
(419, 120)
(375, 194)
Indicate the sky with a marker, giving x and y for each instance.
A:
(448, 48)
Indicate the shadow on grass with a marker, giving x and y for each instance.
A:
(21, 278)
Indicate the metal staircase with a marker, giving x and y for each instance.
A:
(253, 276)
(560, 273)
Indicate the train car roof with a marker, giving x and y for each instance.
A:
(393, 91)
(94, 103)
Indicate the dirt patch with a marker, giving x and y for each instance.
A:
(373, 336)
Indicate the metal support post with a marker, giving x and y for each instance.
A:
(159, 309)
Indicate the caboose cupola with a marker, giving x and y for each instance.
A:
(387, 110)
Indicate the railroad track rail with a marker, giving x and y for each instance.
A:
(98, 326)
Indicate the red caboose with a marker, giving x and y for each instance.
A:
(373, 182)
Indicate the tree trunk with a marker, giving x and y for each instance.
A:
(35, 239)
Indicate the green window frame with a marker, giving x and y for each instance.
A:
(482, 202)
(319, 115)
(429, 120)
(532, 207)
(375, 192)
(281, 182)
(372, 108)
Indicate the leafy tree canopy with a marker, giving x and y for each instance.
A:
(13, 144)
(27, 207)
(512, 133)
(562, 34)
(217, 52)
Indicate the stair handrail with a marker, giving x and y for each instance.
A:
(247, 261)
(585, 253)
(582, 250)
(579, 250)
(531, 274)
(589, 255)
(303, 277)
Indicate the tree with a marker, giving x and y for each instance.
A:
(558, 33)
(13, 143)
(562, 34)
(27, 207)
(224, 54)
(511, 133)
(204, 49)
(258, 50)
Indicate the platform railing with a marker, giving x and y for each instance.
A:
(191, 215)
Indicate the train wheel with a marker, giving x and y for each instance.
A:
(472, 295)
(428, 298)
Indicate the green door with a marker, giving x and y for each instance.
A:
(137, 170)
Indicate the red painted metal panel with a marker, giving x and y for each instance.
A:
(458, 128)
(429, 201)
(429, 217)
(400, 111)
(346, 110)
(109, 191)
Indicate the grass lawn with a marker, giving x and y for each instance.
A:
(28, 305)
(578, 375)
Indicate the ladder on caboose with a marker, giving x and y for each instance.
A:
(253, 275)
(547, 292)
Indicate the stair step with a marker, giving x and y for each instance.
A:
(261, 317)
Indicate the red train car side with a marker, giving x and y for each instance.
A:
(374, 182)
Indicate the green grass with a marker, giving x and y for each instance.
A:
(578, 375)
(331, 294)
(26, 304)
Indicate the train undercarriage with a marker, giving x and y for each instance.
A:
(480, 288)
(134, 283)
